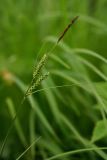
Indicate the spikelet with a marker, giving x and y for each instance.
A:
(38, 68)
(40, 79)
(36, 83)
(37, 75)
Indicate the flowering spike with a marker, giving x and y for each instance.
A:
(67, 28)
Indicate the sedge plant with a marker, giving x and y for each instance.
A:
(37, 79)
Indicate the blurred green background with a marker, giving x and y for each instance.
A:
(65, 118)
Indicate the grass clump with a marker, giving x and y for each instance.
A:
(68, 110)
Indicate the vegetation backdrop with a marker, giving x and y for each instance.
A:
(66, 117)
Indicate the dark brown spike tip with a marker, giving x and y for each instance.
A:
(73, 21)
(67, 28)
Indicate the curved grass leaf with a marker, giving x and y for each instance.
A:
(100, 131)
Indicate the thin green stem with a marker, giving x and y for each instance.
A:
(28, 148)
(12, 123)
(76, 152)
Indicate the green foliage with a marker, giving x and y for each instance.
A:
(100, 131)
(68, 110)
